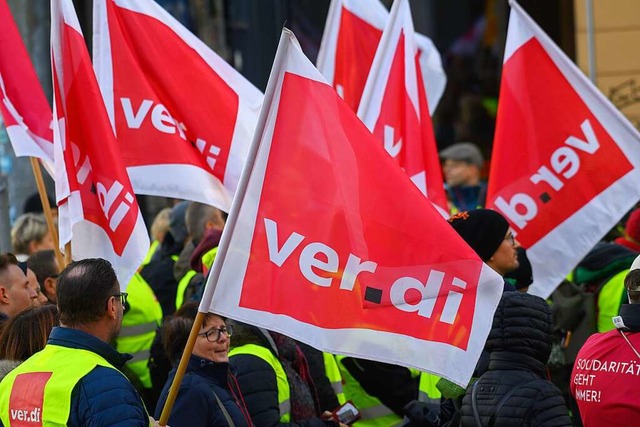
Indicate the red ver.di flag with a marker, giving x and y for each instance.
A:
(564, 165)
(98, 212)
(183, 116)
(351, 36)
(24, 108)
(329, 242)
(394, 106)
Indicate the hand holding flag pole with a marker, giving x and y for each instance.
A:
(230, 225)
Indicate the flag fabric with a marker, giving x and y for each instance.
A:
(23, 105)
(183, 116)
(394, 106)
(330, 243)
(565, 162)
(351, 35)
(97, 209)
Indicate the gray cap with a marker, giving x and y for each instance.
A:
(177, 224)
(465, 152)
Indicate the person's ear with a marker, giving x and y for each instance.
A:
(33, 246)
(4, 295)
(112, 309)
(49, 286)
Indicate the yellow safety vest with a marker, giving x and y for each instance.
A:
(152, 250)
(284, 393)
(39, 390)
(374, 413)
(609, 301)
(332, 371)
(139, 326)
(427, 390)
(182, 287)
(207, 260)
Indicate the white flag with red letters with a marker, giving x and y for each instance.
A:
(183, 116)
(394, 106)
(565, 162)
(98, 212)
(351, 36)
(329, 242)
(24, 108)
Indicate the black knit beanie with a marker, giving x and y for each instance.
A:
(482, 229)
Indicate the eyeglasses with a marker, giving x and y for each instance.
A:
(123, 297)
(214, 334)
(511, 239)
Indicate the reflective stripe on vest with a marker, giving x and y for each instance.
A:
(374, 413)
(39, 390)
(332, 371)
(284, 394)
(139, 326)
(427, 391)
(129, 331)
(152, 250)
(182, 287)
(609, 301)
(207, 260)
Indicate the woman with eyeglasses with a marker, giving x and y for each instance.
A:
(208, 395)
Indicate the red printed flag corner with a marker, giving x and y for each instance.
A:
(98, 212)
(351, 36)
(564, 164)
(23, 105)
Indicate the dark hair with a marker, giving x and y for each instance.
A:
(175, 333)
(84, 288)
(177, 327)
(6, 259)
(632, 284)
(26, 333)
(43, 264)
(33, 204)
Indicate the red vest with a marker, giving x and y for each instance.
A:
(606, 380)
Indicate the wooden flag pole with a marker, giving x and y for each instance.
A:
(67, 254)
(207, 296)
(44, 199)
(182, 367)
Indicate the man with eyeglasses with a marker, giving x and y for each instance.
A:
(488, 233)
(75, 380)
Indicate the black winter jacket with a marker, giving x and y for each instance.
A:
(519, 345)
(257, 381)
(196, 404)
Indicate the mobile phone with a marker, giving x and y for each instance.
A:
(347, 413)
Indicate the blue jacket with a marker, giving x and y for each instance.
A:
(196, 404)
(467, 197)
(103, 397)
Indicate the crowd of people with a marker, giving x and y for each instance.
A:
(76, 350)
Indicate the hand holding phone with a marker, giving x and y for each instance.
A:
(346, 414)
